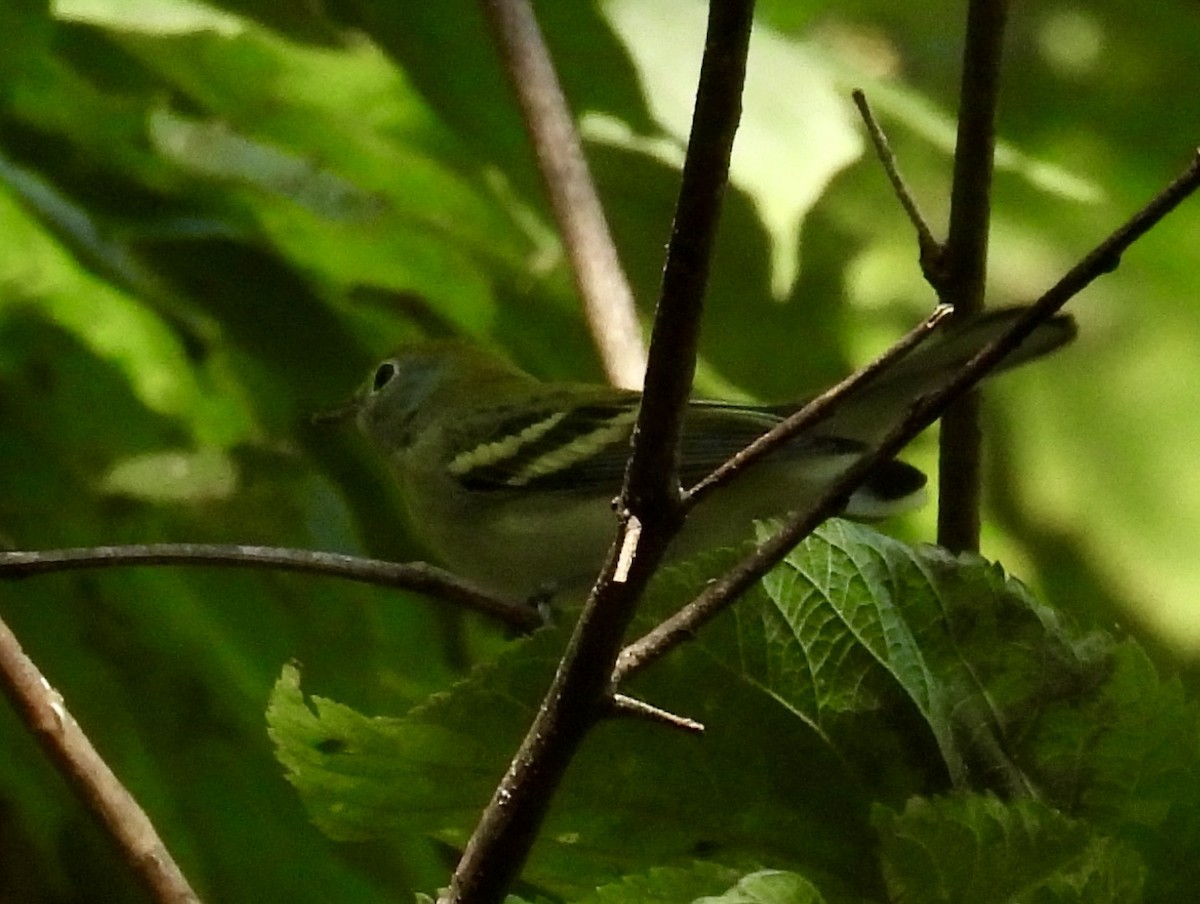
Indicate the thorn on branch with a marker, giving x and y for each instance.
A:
(622, 705)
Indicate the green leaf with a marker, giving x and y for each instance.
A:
(1125, 758)
(175, 476)
(980, 849)
(769, 887)
(213, 149)
(636, 796)
(856, 623)
(666, 885)
(1140, 737)
(149, 16)
(858, 658)
(362, 777)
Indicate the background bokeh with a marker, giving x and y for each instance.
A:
(214, 217)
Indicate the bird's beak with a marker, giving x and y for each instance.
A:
(338, 415)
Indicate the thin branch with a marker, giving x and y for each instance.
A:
(607, 299)
(576, 700)
(928, 246)
(622, 705)
(418, 577)
(721, 593)
(962, 271)
(815, 411)
(1106, 256)
(961, 278)
(653, 469)
(43, 710)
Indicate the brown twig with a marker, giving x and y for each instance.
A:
(43, 710)
(929, 247)
(418, 577)
(722, 592)
(622, 705)
(580, 693)
(961, 271)
(607, 299)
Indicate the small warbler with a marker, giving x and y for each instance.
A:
(510, 481)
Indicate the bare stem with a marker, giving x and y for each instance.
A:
(962, 271)
(418, 577)
(580, 694)
(607, 299)
(929, 247)
(43, 710)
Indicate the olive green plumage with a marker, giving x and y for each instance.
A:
(510, 481)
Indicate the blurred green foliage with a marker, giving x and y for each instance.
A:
(213, 218)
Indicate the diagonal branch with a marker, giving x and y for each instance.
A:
(721, 593)
(815, 411)
(621, 705)
(580, 694)
(607, 299)
(43, 710)
(418, 577)
(929, 247)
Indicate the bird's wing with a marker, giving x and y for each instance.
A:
(584, 446)
(715, 431)
(558, 442)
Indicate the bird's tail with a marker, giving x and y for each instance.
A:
(870, 412)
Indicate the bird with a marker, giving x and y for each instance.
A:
(510, 481)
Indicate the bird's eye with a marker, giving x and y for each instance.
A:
(383, 375)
